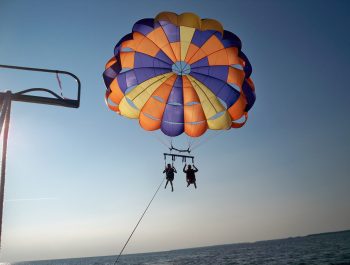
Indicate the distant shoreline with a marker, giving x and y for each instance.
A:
(327, 233)
(253, 242)
(191, 248)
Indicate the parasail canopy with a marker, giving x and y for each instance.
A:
(180, 73)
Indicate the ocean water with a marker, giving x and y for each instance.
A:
(320, 249)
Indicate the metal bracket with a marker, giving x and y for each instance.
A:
(56, 100)
(173, 157)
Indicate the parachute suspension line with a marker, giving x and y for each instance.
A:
(191, 141)
(160, 140)
(172, 160)
(171, 148)
(169, 140)
(4, 124)
(207, 139)
(133, 231)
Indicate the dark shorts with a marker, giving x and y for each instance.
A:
(192, 180)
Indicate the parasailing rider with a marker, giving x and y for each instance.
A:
(190, 175)
(169, 171)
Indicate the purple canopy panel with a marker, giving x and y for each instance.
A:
(136, 76)
(201, 63)
(231, 40)
(173, 116)
(171, 31)
(172, 129)
(108, 75)
(117, 47)
(144, 60)
(130, 78)
(248, 67)
(163, 57)
(200, 37)
(143, 74)
(218, 72)
(144, 26)
(173, 120)
(176, 94)
(121, 78)
(109, 72)
(221, 89)
(201, 70)
(249, 94)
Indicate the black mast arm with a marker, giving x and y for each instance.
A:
(58, 100)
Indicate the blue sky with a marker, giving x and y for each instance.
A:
(78, 179)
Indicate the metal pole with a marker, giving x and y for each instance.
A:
(70, 103)
(6, 111)
(5, 102)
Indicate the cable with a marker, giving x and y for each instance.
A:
(59, 84)
(127, 241)
(217, 133)
(160, 140)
